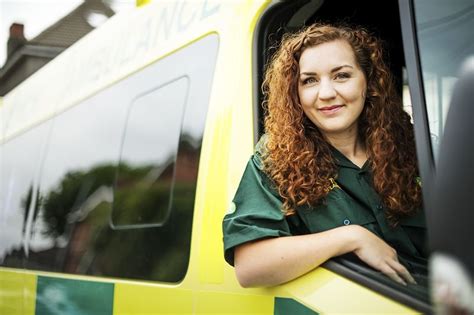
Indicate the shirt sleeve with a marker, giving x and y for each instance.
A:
(257, 212)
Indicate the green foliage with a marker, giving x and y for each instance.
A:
(70, 194)
(159, 251)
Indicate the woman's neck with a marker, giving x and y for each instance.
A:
(351, 146)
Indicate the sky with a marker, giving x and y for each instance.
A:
(37, 15)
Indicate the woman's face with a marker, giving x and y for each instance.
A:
(331, 87)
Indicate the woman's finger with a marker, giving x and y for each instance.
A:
(402, 271)
(392, 274)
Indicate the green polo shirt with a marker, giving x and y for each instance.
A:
(256, 212)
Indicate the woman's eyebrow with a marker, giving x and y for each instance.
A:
(340, 67)
(308, 73)
(332, 70)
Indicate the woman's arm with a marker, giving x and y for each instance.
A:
(274, 261)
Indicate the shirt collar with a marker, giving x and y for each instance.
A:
(342, 161)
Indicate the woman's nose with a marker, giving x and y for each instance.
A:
(326, 90)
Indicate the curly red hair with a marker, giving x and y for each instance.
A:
(299, 160)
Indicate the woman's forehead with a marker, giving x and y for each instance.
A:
(327, 56)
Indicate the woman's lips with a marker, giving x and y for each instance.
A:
(329, 110)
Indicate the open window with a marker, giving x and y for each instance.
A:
(286, 16)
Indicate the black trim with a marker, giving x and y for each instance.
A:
(272, 22)
(420, 115)
(373, 280)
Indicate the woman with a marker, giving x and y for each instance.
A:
(336, 171)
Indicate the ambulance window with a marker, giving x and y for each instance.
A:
(144, 184)
(156, 181)
(118, 181)
(443, 30)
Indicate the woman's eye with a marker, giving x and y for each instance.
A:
(309, 80)
(342, 75)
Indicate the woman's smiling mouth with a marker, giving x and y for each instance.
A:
(329, 110)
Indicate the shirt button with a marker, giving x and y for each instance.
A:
(347, 222)
(379, 207)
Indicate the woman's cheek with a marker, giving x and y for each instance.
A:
(307, 98)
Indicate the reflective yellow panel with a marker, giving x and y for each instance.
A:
(211, 264)
(327, 292)
(141, 299)
(17, 293)
(233, 304)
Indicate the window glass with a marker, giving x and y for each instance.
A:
(20, 165)
(444, 35)
(143, 188)
(72, 231)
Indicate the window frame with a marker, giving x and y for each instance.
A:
(415, 82)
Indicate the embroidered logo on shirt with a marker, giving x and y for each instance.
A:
(333, 184)
(418, 181)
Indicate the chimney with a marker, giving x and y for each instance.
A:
(16, 39)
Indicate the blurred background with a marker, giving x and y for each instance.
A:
(33, 32)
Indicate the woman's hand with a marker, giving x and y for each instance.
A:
(376, 253)
(269, 262)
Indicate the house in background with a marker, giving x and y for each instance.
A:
(25, 57)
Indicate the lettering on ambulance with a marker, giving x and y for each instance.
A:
(179, 19)
(109, 54)
(183, 23)
(174, 18)
(73, 73)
